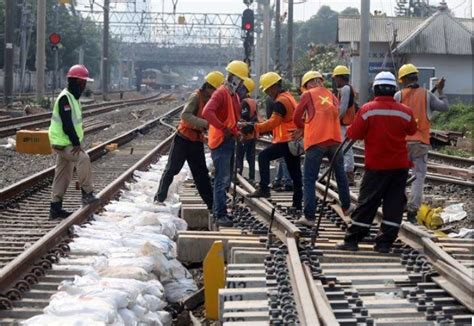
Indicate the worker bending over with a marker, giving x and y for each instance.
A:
(222, 112)
(187, 145)
(246, 146)
(318, 114)
(281, 124)
(423, 103)
(383, 124)
(346, 97)
(65, 136)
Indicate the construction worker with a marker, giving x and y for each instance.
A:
(222, 112)
(188, 144)
(281, 124)
(317, 113)
(66, 134)
(249, 113)
(423, 103)
(347, 109)
(383, 124)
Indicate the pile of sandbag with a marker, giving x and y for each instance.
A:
(127, 262)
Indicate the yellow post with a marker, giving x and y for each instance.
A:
(214, 279)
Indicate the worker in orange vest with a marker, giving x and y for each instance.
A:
(318, 114)
(246, 146)
(281, 125)
(222, 112)
(188, 142)
(423, 103)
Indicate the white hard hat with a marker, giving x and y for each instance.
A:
(385, 78)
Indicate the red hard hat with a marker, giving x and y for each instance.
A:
(79, 72)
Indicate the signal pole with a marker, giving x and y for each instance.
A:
(8, 53)
(277, 35)
(364, 51)
(40, 48)
(289, 55)
(105, 51)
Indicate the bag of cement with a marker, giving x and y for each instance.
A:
(50, 320)
(125, 272)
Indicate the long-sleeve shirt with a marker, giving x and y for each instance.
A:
(344, 101)
(190, 111)
(433, 103)
(65, 113)
(215, 111)
(276, 118)
(383, 124)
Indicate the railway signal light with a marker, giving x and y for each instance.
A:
(54, 39)
(248, 20)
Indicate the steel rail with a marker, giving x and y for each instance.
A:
(22, 263)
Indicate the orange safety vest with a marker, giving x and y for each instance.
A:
(253, 108)
(349, 116)
(216, 136)
(324, 124)
(415, 98)
(189, 131)
(281, 134)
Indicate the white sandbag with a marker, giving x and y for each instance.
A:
(145, 262)
(125, 272)
(128, 317)
(154, 287)
(154, 303)
(139, 311)
(86, 246)
(151, 318)
(165, 317)
(51, 320)
(178, 289)
(453, 213)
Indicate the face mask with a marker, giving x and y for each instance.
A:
(234, 83)
(241, 91)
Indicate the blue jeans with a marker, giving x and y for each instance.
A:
(283, 175)
(312, 162)
(222, 157)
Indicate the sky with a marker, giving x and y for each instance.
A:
(303, 11)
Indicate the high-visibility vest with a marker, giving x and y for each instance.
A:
(216, 136)
(253, 108)
(281, 134)
(415, 98)
(56, 134)
(323, 125)
(349, 116)
(189, 131)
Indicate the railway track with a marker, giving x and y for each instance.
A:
(10, 126)
(30, 243)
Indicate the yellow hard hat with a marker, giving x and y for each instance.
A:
(312, 74)
(340, 70)
(406, 70)
(249, 84)
(268, 80)
(215, 78)
(238, 68)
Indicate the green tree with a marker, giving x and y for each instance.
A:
(2, 30)
(350, 11)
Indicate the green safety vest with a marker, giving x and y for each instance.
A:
(56, 134)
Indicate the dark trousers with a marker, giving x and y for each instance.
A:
(387, 186)
(183, 150)
(247, 149)
(274, 152)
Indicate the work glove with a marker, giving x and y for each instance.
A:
(247, 128)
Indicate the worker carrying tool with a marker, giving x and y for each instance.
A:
(423, 103)
(383, 124)
(281, 124)
(246, 146)
(222, 112)
(317, 115)
(66, 134)
(187, 145)
(347, 110)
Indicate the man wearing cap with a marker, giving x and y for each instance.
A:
(423, 103)
(383, 124)
(65, 136)
(188, 141)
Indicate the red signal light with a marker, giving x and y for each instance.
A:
(54, 38)
(248, 26)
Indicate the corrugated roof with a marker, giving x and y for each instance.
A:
(439, 34)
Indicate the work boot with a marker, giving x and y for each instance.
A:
(276, 184)
(57, 212)
(260, 192)
(349, 211)
(350, 179)
(225, 221)
(347, 246)
(411, 216)
(88, 198)
(304, 220)
(288, 188)
(382, 249)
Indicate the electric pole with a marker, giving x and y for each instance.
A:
(277, 35)
(266, 35)
(40, 48)
(8, 53)
(289, 55)
(105, 51)
(364, 50)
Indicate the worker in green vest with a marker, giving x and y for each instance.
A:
(65, 136)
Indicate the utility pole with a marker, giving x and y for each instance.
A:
(8, 53)
(40, 48)
(105, 51)
(364, 51)
(266, 35)
(289, 55)
(277, 35)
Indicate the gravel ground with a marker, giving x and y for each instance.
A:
(16, 166)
